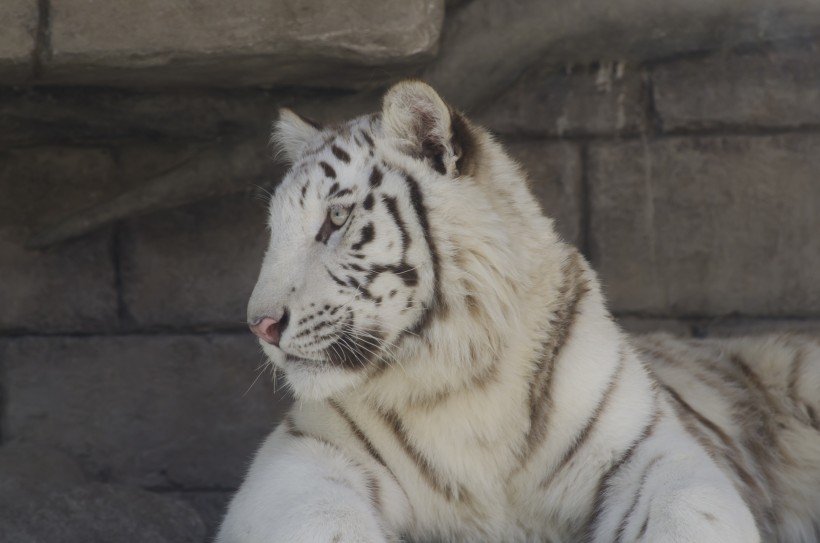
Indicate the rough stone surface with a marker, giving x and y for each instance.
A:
(63, 289)
(554, 171)
(708, 226)
(247, 42)
(145, 410)
(740, 327)
(763, 89)
(194, 266)
(637, 326)
(43, 183)
(105, 116)
(606, 100)
(211, 507)
(28, 473)
(17, 39)
(97, 513)
(487, 44)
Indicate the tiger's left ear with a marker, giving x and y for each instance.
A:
(292, 133)
(422, 125)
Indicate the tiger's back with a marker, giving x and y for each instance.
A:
(753, 403)
(459, 378)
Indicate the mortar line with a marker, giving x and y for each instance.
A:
(42, 42)
(586, 204)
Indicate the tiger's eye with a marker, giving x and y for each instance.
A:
(338, 215)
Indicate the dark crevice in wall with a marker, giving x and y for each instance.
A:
(654, 122)
(714, 131)
(42, 46)
(585, 220)
(123, 317)
(192, 330)
(183, 488)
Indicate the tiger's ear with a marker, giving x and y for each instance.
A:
(421, 124)
(292, 133)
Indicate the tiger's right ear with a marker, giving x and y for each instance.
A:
(292, 133)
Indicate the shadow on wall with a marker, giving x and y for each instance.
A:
(134, 168)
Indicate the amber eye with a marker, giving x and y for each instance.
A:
(338, 215)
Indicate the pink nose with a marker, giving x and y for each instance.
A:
(267, 330)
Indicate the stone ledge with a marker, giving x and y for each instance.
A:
(248, 42)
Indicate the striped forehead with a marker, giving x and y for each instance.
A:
(334, 170)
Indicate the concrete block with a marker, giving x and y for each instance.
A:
(69, 288)
(546, 102)
(708, 226)
(241, 43)
(638, 326)
(756, 327)
(37, 116)
(18, 39)
(554, 171)
(776, 89)
(194, 266)
(153, 411)
(96, 512)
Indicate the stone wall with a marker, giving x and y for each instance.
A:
(690, 182)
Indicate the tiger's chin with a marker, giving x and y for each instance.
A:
(313, 380)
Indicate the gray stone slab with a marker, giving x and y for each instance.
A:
(211, 507)
(584, 101)
(488, 43)
(17, 39)
(68, 288)
(747, 327)
(776, 88)
(28, 473)
(246, 42)
(638, 325)
(708, 226)
(37, 116)
(554, 172)
(145, 410)
(195, 265)
(97, 513)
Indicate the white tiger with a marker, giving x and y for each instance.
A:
(458, 376)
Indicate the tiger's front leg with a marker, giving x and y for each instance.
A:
(304, 490)
(673, 496)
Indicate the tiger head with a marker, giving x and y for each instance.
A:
(373, 229)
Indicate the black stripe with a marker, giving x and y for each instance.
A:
(417, 200)
(624, 460)
(336, 279)
(367, 138)
(393, 421)
(393, 209)
(629, 512)
(333, 188)
(328, 169)
(360, 435)
(375, 177)
(586, 431)
(340, 153)
(570, 295)
(368, 202)
(343, 192)
(368, 234)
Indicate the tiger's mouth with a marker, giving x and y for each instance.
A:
(293, 359)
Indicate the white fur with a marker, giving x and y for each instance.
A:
(431, 448)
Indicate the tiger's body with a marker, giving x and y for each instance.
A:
(458, 377)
